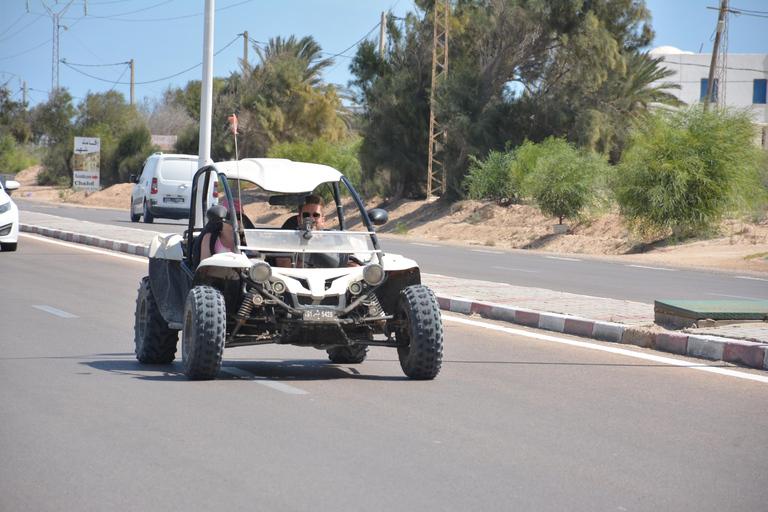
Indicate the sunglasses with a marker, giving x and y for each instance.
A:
(307, 214)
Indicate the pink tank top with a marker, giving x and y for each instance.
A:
(219, 247)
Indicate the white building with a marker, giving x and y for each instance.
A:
(745, 80)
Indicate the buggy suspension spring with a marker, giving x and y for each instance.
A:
(245, 308)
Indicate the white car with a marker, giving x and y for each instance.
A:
(163, 188)
(9, 217)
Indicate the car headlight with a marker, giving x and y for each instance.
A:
(260, 272)
(373, 273)
(5, 207)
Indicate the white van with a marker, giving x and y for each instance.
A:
(164, 187)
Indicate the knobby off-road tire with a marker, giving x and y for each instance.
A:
(422, 330)
(354, 354)
(155, 341)
(204, 333)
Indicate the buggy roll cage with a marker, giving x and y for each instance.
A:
(204, 196)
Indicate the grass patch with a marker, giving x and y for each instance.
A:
(756, 255)
(401, 229)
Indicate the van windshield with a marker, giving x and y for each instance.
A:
(178, 170)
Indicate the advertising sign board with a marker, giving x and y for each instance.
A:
(87, 164)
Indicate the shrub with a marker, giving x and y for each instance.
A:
(683, 171)
(492, 179)
(15, 157)
(563, 182)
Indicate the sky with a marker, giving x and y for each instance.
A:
(165, 37)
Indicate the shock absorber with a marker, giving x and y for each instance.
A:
(245, 308)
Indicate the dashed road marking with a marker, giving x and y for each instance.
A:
(57, 312)
(279, 386)
(424, 245)
(653, 268)
(519, 270)
(561, 258)
(486, 252)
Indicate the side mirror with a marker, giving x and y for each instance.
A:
(12, 185)
(216, 213)
(378, 216)
(133, 178)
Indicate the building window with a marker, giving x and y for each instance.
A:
(704, 82)
(758, 90)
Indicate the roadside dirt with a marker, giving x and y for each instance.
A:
(740, 246)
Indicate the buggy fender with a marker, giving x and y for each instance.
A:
(224, 265)
(167, 247)
(395, 262)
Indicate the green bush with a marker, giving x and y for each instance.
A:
(563, 181)
(492, 179)
(15, 157)
(684, 171)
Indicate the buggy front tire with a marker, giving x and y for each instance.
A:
(420, 328)
(204, 333)
(155, 341)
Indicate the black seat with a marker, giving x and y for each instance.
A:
(292, 223)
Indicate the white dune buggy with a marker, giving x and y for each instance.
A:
(283, 286)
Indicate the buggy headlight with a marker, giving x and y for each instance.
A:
(355, 288)
(373, 273)
(260, 272)
(278, 286)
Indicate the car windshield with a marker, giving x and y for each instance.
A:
(272, 240)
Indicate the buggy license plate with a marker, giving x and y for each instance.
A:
(319, 315)
(173, 200)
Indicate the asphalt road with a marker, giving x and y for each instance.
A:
(580, 274)
(517, 420)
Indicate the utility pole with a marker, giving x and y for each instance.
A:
(24, 96)
(245, 55)
(133, 81)
(206, 96)
(437, 137)
(56, 16)
(708, 97)
(383, 34)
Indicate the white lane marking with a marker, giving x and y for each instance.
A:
(732, 296)
(560, 258)
(519, 270)
(88, 249)
(279, 386)
(612, 350)
(424, 245)
(751, 278)
(58, 312)
(486, 252)
(653, 268)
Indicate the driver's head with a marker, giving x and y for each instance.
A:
(313, 207)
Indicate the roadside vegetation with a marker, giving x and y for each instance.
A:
(545, 103)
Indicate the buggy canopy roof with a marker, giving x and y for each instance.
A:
(278, 174)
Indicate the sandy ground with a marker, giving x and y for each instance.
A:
(740, 246)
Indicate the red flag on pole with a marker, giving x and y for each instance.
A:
(233, 124)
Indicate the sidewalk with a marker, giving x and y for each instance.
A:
(603, 319)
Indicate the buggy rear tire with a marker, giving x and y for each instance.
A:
(204, 333)
(353, 354)
(155, 341)
(421, 329)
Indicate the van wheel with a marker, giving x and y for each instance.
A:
(148, 217)
(134, 217)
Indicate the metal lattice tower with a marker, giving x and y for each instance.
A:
(56, 17)
(436, 175)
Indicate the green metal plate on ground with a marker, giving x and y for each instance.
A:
(714, 309)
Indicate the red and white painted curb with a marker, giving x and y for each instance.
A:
(747, 353)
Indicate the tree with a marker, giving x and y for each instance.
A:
(685, 170)
(52, 125)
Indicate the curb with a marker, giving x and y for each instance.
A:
(746, 353)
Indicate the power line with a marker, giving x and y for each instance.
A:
(115, 18)
(71, 66)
